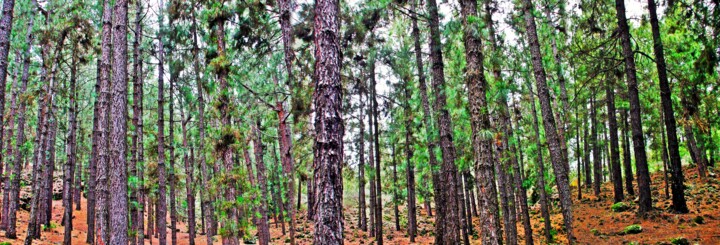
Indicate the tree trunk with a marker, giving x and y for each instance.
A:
(172, 182)
(71, 150)
(207, 200)
(5, 33)
(286, 7)
(559, 167)
(361, 168)
(677, 178)
(118, 128)
(510, 154)
(101, 206)
(614, 144)
(506, 199)
(447, 223)
(544, 202)
(645, 200)
(161, 205)
(396, 199)
(189, 180)
(12, 184)
(480, 122)
(626, 154)
(597, 164)
(7, 144)
(427, 113)
(578, 152)
(329, 126)
(664, 155)
(376, 142)
(410, 167)
(138, 220)
(263, 228)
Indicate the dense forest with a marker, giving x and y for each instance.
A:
(359, 122)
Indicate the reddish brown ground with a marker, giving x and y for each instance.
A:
(590, 214)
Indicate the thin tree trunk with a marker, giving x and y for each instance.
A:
(6, 25)
(544, 202)
(664, 155)
(559, 166)
(138, 219)
(172, 182)
(597, 164)
(189, 161)
(447, 222)
(614, 144)
(645, 200)
(71, 150)
(578, 152)
(263, 228)
(510, 153)
(626, 154)
(677, 178)
(161, 205)
(410, 167)
(288, 163)
(7, 144)
(207, 200)
(361, 167)
(396, 199)
(427, 113)
(12, 185)
(376, 140)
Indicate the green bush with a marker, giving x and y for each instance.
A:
(680, 241)
(620, 207)
(633, 229)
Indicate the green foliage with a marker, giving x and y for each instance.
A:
(620, 207)
(679, 241)
(633, 229)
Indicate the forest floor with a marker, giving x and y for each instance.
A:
(594, 221)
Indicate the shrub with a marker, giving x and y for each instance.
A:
(633, 229)
(620, 207)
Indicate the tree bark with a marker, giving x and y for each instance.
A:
(138, 217)
(376, 142)
(480, 121)
(12, 185)
(410, 168)
(5, 33)
(172, 182)
(614, 144)
(447, 220)
(118, 128)
(361, 167)
(626, 154)
(559, 167)
(677, 178)
(643, 178)
(329, 126)
(71, 150)
(286, 8)
(189, 161)
(427, 113)
(161, 205)
(102, 232)
(207, 200)
(597, 164)
(263, 228)
(544, 202)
